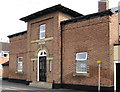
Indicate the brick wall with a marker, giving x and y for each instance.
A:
(18, 48)
(94, 36)
(52, 22)
(113, 39)
(5, 72)
(21, 46)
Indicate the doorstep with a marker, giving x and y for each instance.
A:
(41, 85)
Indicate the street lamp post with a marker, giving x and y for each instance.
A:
(99, 75)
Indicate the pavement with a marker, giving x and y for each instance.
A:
(6, 86)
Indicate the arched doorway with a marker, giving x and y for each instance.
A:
(42, 65)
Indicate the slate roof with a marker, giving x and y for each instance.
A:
(87, 17)
(58, 7)
(6, 63)
(17, 34)
(78, 17)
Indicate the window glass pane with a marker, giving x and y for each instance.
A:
(20, 66)
(20, 60)
(41, 53)
(44, 53)
(5, 55)
(42, 31)
(50, 63)
(81, 66)
(42, 35)
(81, 56)
(42, 27)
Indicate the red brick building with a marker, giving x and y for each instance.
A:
(62, 47)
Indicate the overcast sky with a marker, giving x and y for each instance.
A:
(12, 10)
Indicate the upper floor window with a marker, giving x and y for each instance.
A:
(81, 62)
(42, 31)
(4, 54)
(20, 64)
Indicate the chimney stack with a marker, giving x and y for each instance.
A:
(103, 5)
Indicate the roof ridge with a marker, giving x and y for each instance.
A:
(48, 10)
(89, 16)
(16, 34)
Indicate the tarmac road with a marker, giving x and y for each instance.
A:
(6, 86)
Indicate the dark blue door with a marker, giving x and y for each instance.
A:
(42, 69)
(118, 77)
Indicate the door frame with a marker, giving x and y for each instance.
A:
(39, 55)
(115, 62)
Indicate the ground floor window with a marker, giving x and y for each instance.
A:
(4, 54)
(81, 62)
(20, 64)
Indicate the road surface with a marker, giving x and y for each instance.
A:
(6, 86)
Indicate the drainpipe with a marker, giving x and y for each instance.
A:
(61, 24)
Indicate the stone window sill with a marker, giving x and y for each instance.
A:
(81, 74)
(19, 72)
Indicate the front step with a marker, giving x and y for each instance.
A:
(41, 85)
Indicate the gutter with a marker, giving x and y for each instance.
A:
(61, 82)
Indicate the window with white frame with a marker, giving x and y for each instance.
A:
(42, 31)
(20, 64)
(81, 62)
(4, 54)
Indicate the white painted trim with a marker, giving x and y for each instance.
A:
(81, 72)
(38, 63)
(115, 62)
(19, 63)
(38, 69)
(4, 52)
(42, 31)
(81, 53)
